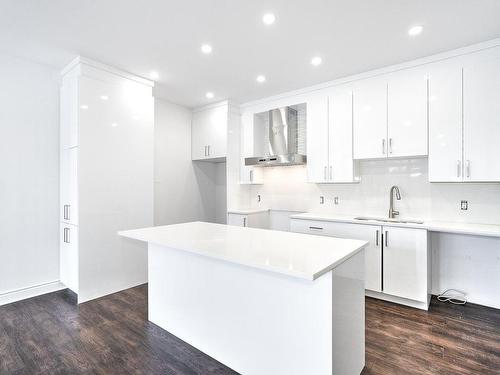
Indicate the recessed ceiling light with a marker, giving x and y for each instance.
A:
(261, 78)
(268, 18)
(104, 97)
(114, 124)
(84, 106)
(315, 61)
(209, 95)
(206, 49)
(154, 75)
(415, 30)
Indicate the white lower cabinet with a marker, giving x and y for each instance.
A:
(68, 260)
(370, 233)
(251, 220)
(396, 259)
(405, 260)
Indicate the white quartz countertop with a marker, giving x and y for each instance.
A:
(246, 211)
(299, 255)
(488, 230)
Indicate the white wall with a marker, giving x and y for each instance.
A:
(286, 188)
(184, 190)
(29, 174)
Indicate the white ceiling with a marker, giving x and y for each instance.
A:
(351, 36)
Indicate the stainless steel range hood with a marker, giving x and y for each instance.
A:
(283, 141)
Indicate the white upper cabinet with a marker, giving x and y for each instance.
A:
(390, 115)
(69, 108)
(209, 132)
(248, 174)
(318, 169)
(329, 138)
(407, 113)
(481, 114)
(343, 167)
(445, 122)
(370, 119)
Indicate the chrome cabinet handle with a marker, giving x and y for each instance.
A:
(251, 175)
(390, 145)
(208, 150)
(66, 238)
(386, 239)
(383, 146)
(330, 172)
(468, 168)
(244, 221)
(315, 228)
(376, 237)
(458, 168)
(325, 173)
(65, 212)
(205, 150)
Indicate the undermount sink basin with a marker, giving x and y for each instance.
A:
(388, 220)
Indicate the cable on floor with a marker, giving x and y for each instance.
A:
(454, 296)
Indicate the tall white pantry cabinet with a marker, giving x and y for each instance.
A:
(106, 183)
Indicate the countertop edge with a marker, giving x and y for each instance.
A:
(431, 226)
(280, 271)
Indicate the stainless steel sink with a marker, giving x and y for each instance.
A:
(387, 220)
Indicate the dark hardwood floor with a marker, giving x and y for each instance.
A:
(111, 335)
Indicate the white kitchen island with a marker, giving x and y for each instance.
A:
(259, 301)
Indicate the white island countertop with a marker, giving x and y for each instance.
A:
(299, 255)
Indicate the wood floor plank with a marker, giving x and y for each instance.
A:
(50, 334)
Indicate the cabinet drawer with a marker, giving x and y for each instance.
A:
(322, 228)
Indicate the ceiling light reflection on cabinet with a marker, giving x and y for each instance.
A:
(114, 124)
(209, 95)
(104, 97)
(154, 75)
(415, 30)
(261, 78)
(268, 18)
(206, 49)
(315, 61)
(84, 106)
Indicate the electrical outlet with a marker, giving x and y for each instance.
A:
(464, 205)
(321, 200)
(258, 198)
(336, 200)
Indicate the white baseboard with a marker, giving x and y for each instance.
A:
(399, 300)
(33, 291)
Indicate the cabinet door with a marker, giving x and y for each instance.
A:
(370, 119)
(69, 186)
(250, 175)
(407, 113)
(482, 115)
(405, 263)
(370, 233)
(68, 259)
(217, 132)
(317, 139)
(237, 220)
(69, 110)
(445, 121)
(340, 137)
(200, 135)
(373, 252)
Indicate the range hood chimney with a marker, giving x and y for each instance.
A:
(282, 140)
